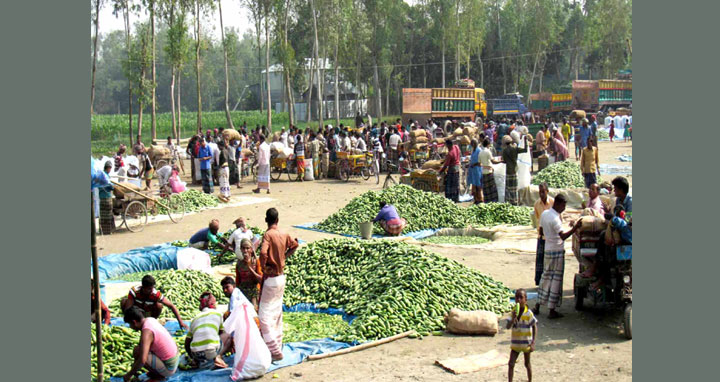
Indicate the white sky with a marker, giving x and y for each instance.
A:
(234, 16)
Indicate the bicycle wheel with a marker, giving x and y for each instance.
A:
(345, 170)
(135, 216)
(287, 169)
(276, 172)
(176, 204)
(365, 172)
(254, 170)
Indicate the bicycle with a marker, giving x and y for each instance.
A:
(389, 180)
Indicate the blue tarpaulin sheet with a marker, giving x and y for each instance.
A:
(417, 235)
(293, 353)
(151, 258)
(611, 169)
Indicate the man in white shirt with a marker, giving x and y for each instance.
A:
(164, 175)
(241, 232)
(551, 282)
(394, 142)
(284, 137)
(360, 144)
(346, 144)
(263, 156)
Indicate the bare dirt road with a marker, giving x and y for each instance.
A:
(582, 346)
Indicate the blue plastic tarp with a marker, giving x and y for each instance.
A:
(611, 169)
(293, 353)
(151, 258)
(417, 235)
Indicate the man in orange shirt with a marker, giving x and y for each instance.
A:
(541, 205)
(276, 247)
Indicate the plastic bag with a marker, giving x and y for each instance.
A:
(309, 170)
(252, 356)
(524, 165)
(195, 259)
(499, 176)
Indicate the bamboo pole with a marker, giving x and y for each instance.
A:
(96, 287)
(360, 347)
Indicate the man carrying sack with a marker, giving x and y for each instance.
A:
(276, 247)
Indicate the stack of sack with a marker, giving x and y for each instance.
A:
(585, 239)
(418, 140)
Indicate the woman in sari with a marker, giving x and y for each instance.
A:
(474, 175)
(248, 273)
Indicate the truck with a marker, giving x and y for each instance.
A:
(601, 95)
(463, 100)
(507, 105)
(552, 104)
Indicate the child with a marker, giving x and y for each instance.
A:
(524, 332)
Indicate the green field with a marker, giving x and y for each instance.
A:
(110, 130)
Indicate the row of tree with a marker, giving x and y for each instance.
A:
(381, 46)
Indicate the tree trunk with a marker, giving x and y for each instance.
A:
(92, 81)
(457, 41)
(443, 63)
(378, 92)
(542, 73)
(317, 63)
(172, 105)
(197, 66)
(179, 104)
(357, 79)
(126, 18)
(337, 78)
(387, 95)
(482, 72)
(502, 61)
(424, 76)
(288, 88)
(310, 89)
(267, 68)
(153, 100)
(227, 79)
(258, 25)
(537, 57)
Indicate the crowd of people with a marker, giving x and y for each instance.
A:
(258, 287)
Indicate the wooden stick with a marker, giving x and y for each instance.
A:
(143, 195)
(360, 347)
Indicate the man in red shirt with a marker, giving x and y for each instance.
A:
(150, 300)
(452, 177)
(276, 247)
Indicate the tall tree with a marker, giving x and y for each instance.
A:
(267, 9)
(321, 80)
(124, 7)
(177, 49)
(255, 7)
(154, 81)
(96, 13)
(227, 80)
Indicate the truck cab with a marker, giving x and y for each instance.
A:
(480, 103)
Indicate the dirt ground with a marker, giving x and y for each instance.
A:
(582, 346)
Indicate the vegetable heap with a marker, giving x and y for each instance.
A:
(390, 286)
(421, 210)
(217, 256)
(491, 214)
(304, 326)
(118, 344)
(196, 200)
(560, 175)
(602, 134)
(456, 240)
(182, 287)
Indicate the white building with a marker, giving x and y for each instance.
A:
(349, 103)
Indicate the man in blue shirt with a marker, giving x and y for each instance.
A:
(206, 236)
(390, 220)
(205, 155)
(593, 127)
(621, 188)
(585, 133)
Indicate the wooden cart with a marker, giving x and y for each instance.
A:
(135, 206)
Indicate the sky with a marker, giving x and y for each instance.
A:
(234, 16)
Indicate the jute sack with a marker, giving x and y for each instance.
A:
(440, 141)
(458, 132)
(158, 152)
(577, 114)
(421, 139)
(231, 134)
(434, 164)
(473, 322)
(465, 140)
(470, 131)
(119, 192)
(591, 223)
(419, 146)
(247, 153)
(418, 133)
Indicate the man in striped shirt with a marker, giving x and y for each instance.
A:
(150, 300)
(204, 342)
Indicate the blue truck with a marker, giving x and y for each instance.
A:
(507, 105)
